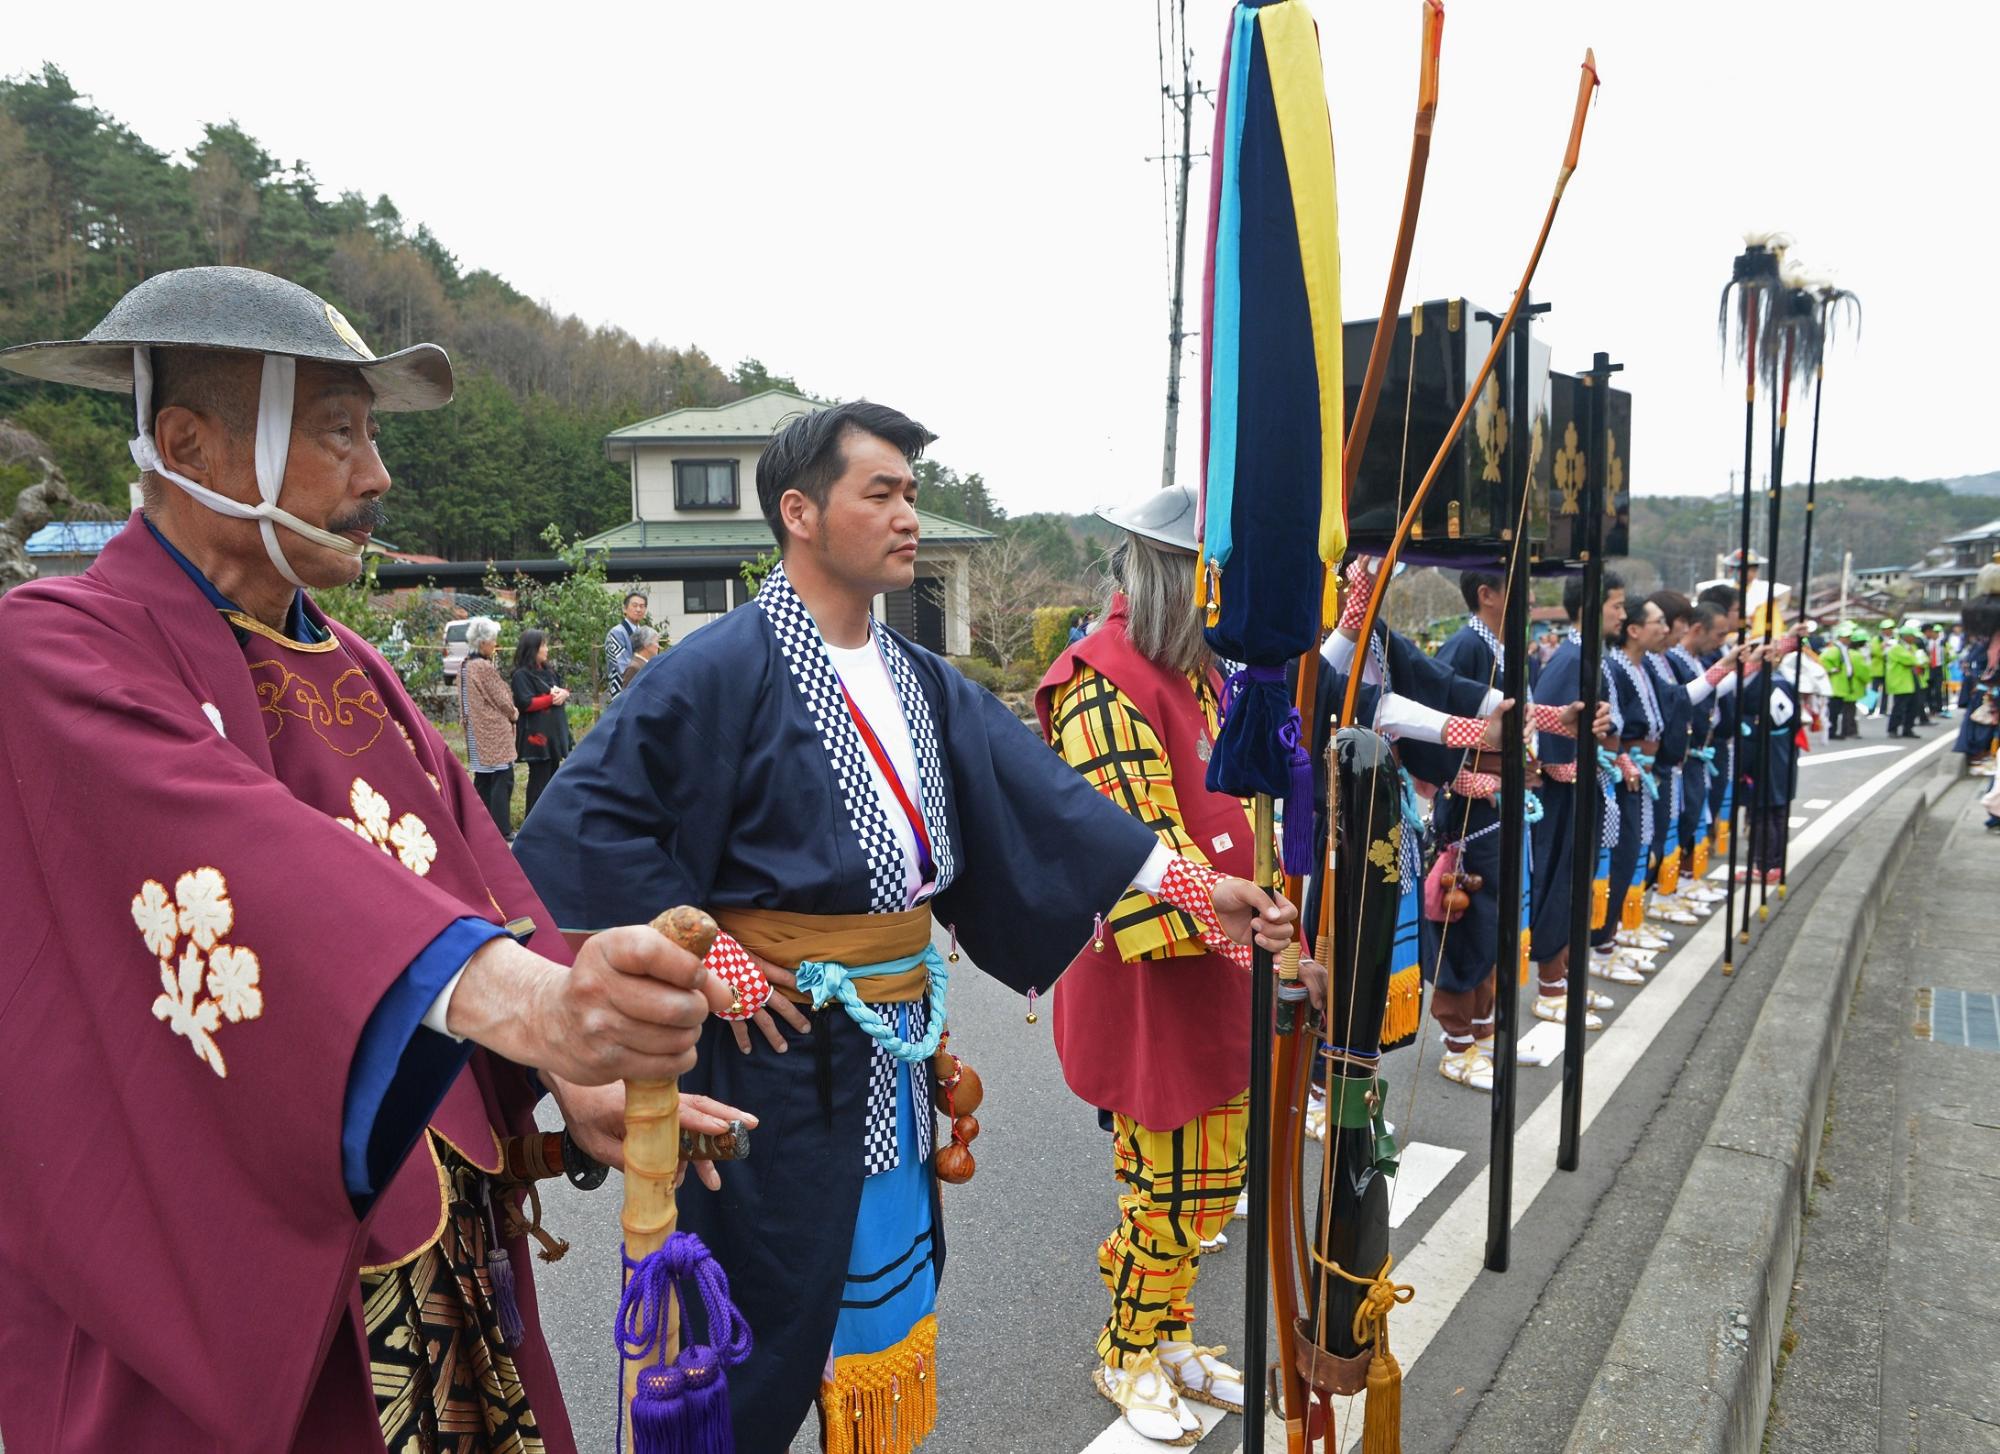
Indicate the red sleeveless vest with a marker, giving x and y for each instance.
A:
(1159, 1040)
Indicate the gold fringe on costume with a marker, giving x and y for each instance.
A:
(1632, 911)
(1721, 837)
(1527, 953)
(1600, 901)
(1670, 872)
(882, 1403)
(1405, 1010)
(1701, 858)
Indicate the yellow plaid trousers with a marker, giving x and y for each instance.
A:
(1181, 1187)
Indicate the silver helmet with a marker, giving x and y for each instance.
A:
(1165, 517)
(236, 310)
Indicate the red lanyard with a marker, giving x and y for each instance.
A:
(926, 867)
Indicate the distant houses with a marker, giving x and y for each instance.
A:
(696, 522)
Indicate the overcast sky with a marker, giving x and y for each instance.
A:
(949, 207)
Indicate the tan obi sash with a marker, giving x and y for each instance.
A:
(788, 940)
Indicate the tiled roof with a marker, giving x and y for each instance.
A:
(752, 418)
(743, 532)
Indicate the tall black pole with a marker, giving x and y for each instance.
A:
(1589, 810)
(1513, 800)
(1805, 600)
(1732, 762)
(1774, 493)
(1256, 1279)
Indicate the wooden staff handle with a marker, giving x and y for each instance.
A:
(653, 1144)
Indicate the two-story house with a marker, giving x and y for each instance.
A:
(695, 522)
(1951, 580)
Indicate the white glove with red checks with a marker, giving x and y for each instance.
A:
(729, 962)
(1190, 886)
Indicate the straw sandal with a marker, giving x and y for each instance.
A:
(1198, 1372)
(1615, 969)
(1468, 1068)
(1555, 1008)
(1144, 1387)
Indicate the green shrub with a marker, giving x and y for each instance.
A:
(1052, 625)
(1023, 674)
(979, 671)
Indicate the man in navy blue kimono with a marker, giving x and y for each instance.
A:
(1556, 835)
(826, 789)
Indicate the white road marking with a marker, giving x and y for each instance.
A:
(1813, 759)
(1813, 805)
(1447, 1258)
(1421, 1168)
(1796, 821)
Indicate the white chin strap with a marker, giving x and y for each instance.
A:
(274, 442)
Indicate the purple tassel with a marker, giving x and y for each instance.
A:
(506, 1301)
(1298, 842)
(681, 1407)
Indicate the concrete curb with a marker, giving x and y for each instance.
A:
(1690, 1369)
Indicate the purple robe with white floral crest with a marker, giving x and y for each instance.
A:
(222, 848)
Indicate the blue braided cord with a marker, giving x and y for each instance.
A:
(1412, 863)
(1704, 754)
(826, 980)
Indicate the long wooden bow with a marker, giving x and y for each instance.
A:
(1289, 1266)
(1585, 87)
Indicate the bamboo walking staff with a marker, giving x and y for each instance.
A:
(653, 1149)
(674, 1400)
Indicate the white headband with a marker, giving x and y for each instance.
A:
(274, 442)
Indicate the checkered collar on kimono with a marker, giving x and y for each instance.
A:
(1610, 698)
(1642, 683)
(804, 650)
(1485, 634)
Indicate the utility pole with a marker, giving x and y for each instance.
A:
(1174, 23)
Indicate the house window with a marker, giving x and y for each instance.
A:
(704, 598)
(704, 484)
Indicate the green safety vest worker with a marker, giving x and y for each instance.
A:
(1846, 674)
(1901, 674)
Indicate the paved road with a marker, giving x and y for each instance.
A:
(1022, 1301)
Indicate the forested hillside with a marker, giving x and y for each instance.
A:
(88, 208)
(1883, 522)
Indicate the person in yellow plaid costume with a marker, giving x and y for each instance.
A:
(1152, 1020)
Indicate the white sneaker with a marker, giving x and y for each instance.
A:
(1216, 1243)
(1705, 894)
(1201, 1375)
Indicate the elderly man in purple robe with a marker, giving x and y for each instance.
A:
(274, 987)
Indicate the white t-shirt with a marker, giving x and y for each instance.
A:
(866, 676)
